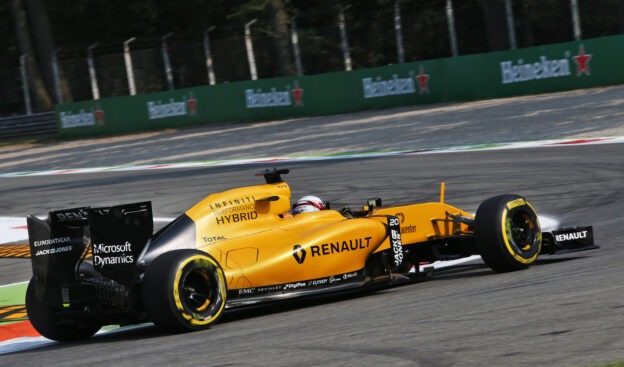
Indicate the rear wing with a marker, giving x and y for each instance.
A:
(113, 237)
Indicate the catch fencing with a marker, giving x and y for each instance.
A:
(156, 63)
(557, 67)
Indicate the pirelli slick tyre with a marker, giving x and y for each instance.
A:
(507, 233)
(49, 323)
(184, 290)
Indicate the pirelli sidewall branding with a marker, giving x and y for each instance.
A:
(549, 68)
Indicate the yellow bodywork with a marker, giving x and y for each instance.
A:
(249, 232)
(426, 221)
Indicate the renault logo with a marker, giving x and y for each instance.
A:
(299, 253)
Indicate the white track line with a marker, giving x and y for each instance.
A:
(289, 159)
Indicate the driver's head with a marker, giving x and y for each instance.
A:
(309, 203)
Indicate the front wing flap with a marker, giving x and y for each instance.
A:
(566, 240)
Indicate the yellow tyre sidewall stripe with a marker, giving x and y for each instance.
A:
(508, 245)
(176, 290)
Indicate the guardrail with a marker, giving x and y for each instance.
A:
(36, 124)
(546, 69)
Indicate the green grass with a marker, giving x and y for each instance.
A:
(13, 294)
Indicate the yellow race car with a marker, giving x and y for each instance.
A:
(100, 266)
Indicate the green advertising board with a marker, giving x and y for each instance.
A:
(543, 69)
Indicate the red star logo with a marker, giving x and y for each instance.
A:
(99, 115)
(423, 81)
(297, 94)
(582, 61)
(192, 104)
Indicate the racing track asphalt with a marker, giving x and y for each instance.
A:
(561, 312)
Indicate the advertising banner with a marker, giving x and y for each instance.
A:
(534, 70)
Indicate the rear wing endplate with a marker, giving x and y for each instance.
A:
(116, 236)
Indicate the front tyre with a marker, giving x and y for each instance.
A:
(184, 290)
(507, 233)
(50, 323)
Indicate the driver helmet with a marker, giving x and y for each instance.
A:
(309, 203)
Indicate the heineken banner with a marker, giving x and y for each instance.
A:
(572, 65)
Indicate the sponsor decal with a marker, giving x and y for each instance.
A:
(70, 216)
(405, 229)
(52, 245)
(582, 62)
(544, 68)
(423, 81)
(99, 114)
(191, 102)
(269, 289)
(395, 241)
(112, 254)
(378, 87)
(237, 217)
(381, 88)
(274, 97)
(82, 118)
(233, 202)
(571, 236)
(299, 253)
(317, 282)
(171, 108)
(54, 250)
(304, 284)
(213, 239)
(297, 94)
(295, 285)
(52, 241)
(340, 246)
(235, 209)
(515, 203)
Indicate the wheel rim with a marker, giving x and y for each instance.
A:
(521, 229)
(198, 290)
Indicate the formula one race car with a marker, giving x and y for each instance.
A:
(100, 266)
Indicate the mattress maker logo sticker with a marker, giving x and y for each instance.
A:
(53, 246)
(112, 254)
(338, 247)
(234, 210)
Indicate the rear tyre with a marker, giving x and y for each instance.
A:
(507, 233)
(184, 290)
(47, 321)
